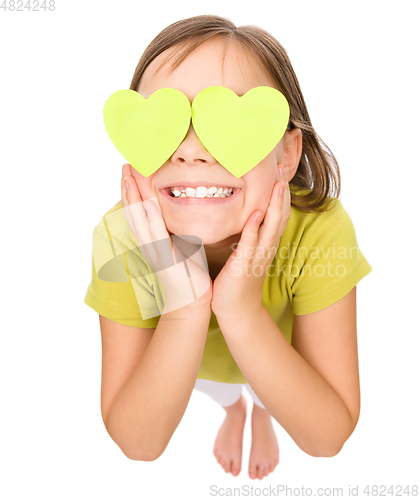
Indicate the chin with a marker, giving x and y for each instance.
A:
(209, 240)
(208, 235)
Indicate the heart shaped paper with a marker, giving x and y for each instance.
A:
(147, 131)
(240, 132)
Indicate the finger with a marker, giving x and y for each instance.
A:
(123, 190)
(269, 230)
(286, 194)
(287, 209)
(249, 238)
(124, 200)
(128, 169)
(134, 211)
(156, 203)
(288, 200)
(164, 246)
(146, 223)
(157, 225)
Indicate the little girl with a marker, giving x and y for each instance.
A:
(276, 309)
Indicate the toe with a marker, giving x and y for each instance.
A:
(252, 471)
(236, 467)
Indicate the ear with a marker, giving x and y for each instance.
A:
(292, 151)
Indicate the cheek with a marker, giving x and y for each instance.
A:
(257, 200)
(145, 187)
(259, 186)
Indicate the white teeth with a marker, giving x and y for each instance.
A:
(202, 192)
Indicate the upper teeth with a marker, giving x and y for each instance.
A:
(202, 192)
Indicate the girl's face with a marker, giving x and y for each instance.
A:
(191, 162)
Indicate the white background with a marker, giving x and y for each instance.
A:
(357, 63)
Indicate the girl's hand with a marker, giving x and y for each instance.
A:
(146, 223)
(237, 290)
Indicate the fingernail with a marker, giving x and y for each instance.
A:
(124, 172)
(281, 191)
(283, 172)
(126, 186)
(259, 219)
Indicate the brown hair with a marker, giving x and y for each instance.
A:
(318, 169)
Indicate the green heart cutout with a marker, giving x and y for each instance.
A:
(240, 132)
(147, 131)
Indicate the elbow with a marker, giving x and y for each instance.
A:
(328, 446)
(141, 457)
(142, 454)
(137, 448)
(325, 451)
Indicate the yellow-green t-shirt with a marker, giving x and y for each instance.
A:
(318, 262)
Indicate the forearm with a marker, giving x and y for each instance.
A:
(293, 392)
(150, 406)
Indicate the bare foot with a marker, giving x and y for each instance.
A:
(228, 445)
(264, 454)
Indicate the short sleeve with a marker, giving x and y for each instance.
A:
(121, 287)
(328, 262)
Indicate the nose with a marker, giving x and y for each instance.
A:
(191, 151)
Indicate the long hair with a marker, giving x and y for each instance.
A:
(318, 170)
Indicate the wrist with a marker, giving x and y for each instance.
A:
(239, 314)
(189, 313)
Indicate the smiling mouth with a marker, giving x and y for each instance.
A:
(192, 196)
(201, 192)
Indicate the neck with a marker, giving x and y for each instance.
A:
(218, 253)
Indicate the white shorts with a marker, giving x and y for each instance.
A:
(225, 394)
